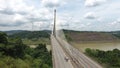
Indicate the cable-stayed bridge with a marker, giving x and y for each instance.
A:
(66, 56)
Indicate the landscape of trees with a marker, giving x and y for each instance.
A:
(31, 34)
(15, 54)
(110, 59)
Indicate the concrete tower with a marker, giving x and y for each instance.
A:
(54, 27)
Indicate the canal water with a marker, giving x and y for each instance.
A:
(101, 46)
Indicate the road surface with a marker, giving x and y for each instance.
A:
(60, 59)
(76, 56)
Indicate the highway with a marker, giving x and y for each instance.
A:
(76, 56)
(76, 59)
(59, 56)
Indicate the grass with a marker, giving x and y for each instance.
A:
(48, 47)
(36, 41)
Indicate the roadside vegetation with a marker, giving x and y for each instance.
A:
(15, 54)
(109, 59)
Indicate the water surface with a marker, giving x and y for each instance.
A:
(102, 46)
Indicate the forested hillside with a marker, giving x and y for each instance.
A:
(31, 34)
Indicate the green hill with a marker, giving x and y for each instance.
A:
(31, 34)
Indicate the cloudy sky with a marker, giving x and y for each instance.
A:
(83, 15)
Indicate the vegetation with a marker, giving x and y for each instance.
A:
(15, 54)
(68, 37)
(110, 58)
(31, 34)
(31, 37)
(3, 38)
(117, 34)
(36, 41)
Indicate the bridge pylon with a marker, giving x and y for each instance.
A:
(54, 25)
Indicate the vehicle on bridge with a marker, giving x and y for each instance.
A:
(67, 59)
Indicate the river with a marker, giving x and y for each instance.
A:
(100, 45)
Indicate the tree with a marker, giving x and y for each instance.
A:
(3, 38)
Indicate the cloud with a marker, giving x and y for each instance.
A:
(18, 13)
(52, 3)
(7, 11)
(90, 15)
(11, 7)
(37, 19)
(12, 20)
(92, 3)
(117, 22)
(115, 25)
(41, 15)
(14, 24)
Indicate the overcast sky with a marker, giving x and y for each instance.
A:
(83, 15)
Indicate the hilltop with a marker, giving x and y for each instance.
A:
(28, 34)
(31, 34)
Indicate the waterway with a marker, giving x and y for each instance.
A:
(101, 46)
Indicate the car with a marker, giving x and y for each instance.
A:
(66, 58)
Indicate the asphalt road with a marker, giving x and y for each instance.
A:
(60, 59)
(77, 58)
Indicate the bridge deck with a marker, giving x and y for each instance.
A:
(59, 57)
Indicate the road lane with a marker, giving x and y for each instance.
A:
(59, 55)
(78, 56)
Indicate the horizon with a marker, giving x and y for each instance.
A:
(62, 29)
